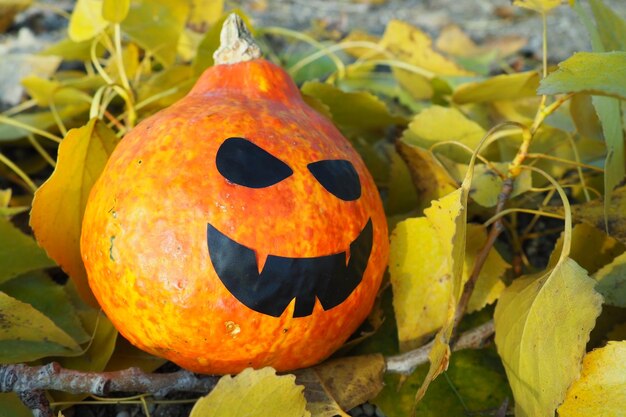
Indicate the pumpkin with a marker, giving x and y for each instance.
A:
(236, 227)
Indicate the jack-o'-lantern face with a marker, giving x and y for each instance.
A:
(330, 278)
(236, 228)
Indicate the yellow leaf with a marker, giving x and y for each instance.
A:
(86, 20)
(46, 91)
(438, 124)
(612, 281)
(205, 13)
(410, 45)
(541, 6)
(542, 325)
(252, 393)
(501, 87)
(601, 389)
(420, 278)
(341, 384)
(115, 10)
(59, 204)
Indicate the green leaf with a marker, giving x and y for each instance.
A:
(12, 406)
(250, 392)
(501, 87)
(540, 368)
(19, 253)
(612, 282)
(115, 10)
(584, 116)
(600, 390)
(608, 110)
(402, 195)
(341, 384)
(156, 26)
(611, 27)
(356, 114)
(50, 298)
(600, 73)
(86, 20)
(477, 376)
(26, 334)
(59, 204)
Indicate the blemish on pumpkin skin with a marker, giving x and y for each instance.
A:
(232, 328)
(111, 240)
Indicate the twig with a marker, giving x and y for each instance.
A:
(406, 363)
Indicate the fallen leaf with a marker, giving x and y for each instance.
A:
(356, 114)
(59, 204)
(402, 197)
(26, 334)
(498, 88)
(19, 253)
(601, 389)
(341, 384)
(585, 236)
(253, 392)
(612, 281)
(540, 368)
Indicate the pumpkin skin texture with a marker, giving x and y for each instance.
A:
(163, 199)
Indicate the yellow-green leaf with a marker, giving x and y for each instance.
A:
(487, 183)
(60, 202)
(12, 406)
(612, 281)
(27, 334)
(584, 116)
(40, 120)
(253, 392)
(46, 92)
(580, 73)
(19, 253)
(501, 87)
(341, 384)
(359, 114)
(156, 26)
(115, 10)
(611, 27)
(402, 197)
(86, 20)
(601, 389)
(540, 366)
(541, 6)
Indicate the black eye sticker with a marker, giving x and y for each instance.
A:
(339, 177)
(244, 163)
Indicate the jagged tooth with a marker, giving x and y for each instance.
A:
(347, 256)
(261, 258)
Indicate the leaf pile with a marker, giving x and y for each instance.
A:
(477, 165)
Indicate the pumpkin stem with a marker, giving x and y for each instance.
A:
(236, 43)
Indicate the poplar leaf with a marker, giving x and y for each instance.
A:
(601, 389)
(612, 282)
(599, 73)
(59, 204)
(19, 253)
(421, 278)
(115, 10)
(611, 27)
(205, 13)
(500, 87)
(27, 334)
(540, 6)
(253, 392)
(86, 20)
(542, 325)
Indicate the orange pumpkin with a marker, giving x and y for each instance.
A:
(237, 227)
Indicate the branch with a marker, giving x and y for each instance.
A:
(405, 363)
(30, 381)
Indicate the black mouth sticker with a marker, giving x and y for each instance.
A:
(328, 278)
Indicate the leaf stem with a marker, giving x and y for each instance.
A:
(18, 171)
(28, 128)
(505, 212)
